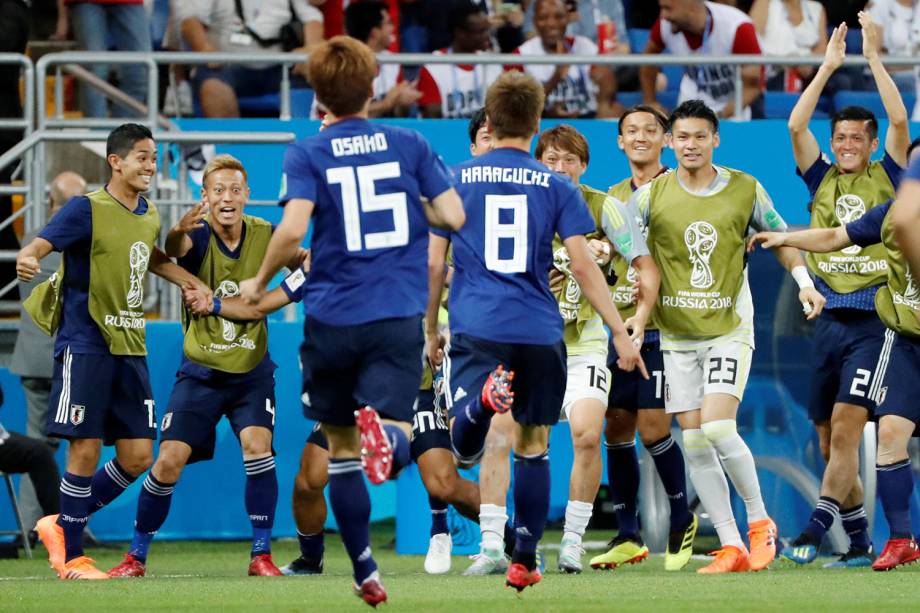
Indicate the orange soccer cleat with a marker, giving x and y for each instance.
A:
(896, 553)
(52, 536)
(762, 535)
(371, 590)
(82, 568)
(729, 559)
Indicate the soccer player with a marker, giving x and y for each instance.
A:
(504, 320)
(101, 387)
(698, 217)
(637, 403)
(426, 441)
(564, 150)
(366, 292)
(849, 334)
(226, 369)
(895, 386)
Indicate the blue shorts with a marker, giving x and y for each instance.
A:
(630, 390)
(101, 396)
(196, 406)
(539, 376)
(899, 390)
(377, 364)
(847, 344)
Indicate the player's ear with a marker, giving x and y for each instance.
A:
(620, 142)
(875, 144)
(715, 140)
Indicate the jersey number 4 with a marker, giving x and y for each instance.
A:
(359, 195)
(513, 231)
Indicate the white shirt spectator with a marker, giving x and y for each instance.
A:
(577, 92)
(459, 89)
(728, 32)
(782, 38)
(225, 29)
(900, 26)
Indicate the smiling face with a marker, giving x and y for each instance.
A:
(564, 162)
(550, 19)
(693, 140)
(138, 167)
(226, 191)
(853, 145)
(642, 138)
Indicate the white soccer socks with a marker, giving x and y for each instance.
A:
(739, 464)
(577, 516)
(711, 486)
(492, 520)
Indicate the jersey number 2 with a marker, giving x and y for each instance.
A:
(514, 231)
(360, 196)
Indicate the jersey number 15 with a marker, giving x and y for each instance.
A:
(359, 195)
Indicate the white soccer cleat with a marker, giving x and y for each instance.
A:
(570, 556)
(437, 562)
(487, 562)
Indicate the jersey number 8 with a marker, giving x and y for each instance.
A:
(360, 196)
(516, 231)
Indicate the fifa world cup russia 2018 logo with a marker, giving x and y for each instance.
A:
(138, 256)
(562, 261)
(849, 207)
(912, 292)
(701, 238)
(228, 289)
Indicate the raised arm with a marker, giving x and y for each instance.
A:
(648, 75)
(898, 136)
(178, 242)
(284, 244)
(804, 144)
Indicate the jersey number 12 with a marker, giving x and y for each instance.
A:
(359, 195)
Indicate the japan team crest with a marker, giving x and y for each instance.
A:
(77, 413)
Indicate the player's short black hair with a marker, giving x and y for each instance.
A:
(913, 145)
(644, 108)
(121, 140)
(476, 121)
(459, 13)
(362, 17)
(694, 109)
(856, 113)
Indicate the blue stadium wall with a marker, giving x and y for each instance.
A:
(209, 499)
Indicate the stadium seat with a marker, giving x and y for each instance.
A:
(23, 531)
(869, 100)
(668, 99)
(270, 104)
(778, 105)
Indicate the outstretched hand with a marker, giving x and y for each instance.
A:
(872, 40)
(836, 47)
(767, 240)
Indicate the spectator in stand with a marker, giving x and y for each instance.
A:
(33, 354)
(215, 25)
(641, 13)
(584, 18)
(369, 21)
(571, 90)
(694, 28)
(508, 22)
(899, 21)
(790, 27)
(97, 24)
(457, 91)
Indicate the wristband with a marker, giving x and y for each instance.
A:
(801, 276)
(215, 309)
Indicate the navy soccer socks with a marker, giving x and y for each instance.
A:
(261, 501)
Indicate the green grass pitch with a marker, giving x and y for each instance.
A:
(212, 576)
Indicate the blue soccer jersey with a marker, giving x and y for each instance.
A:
(502, 255)
(370, 234)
